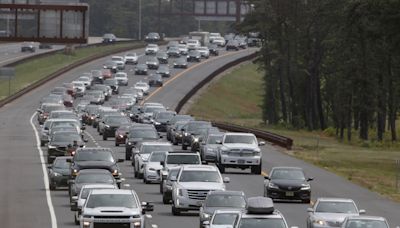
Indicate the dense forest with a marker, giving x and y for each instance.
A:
(121, 17)
(330, 63)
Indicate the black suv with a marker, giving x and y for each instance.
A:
(95, 158)
(138, 133)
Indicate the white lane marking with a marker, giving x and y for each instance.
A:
(91, 137)
(45, 175)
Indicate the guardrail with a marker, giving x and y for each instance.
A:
(64, 70)
(268, 136)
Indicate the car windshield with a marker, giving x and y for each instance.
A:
(212, 139)
(86, 191)
(95, 178)
(262, 223)
(65, 115)
(199, 176)
(225, 201)
(365, 223)
(179, 159)
(195, 125)
(94, 156)
(66, 137)
(288, 174)
(49, 108)
(141, 85)
(225, 219)
(147, 149)
(64, 123)
(112, 200)
(243, 139)
(336, 207)
(165, 115)
(119, 120)
(143, 133)
(61, 164)
(157, 157)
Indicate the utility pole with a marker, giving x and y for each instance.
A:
(140, 21)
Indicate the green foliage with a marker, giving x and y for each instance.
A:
(330, 64)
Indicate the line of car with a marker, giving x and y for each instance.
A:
(186, 178)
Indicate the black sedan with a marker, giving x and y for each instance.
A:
(141, 69)
(59, 172)
(163, 71)
(174, 52)
(213, 49)
(155, 80)
(180, 63)
(60, 142)
(194, 56)
(288, 183)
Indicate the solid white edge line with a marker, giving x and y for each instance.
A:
(45, 175)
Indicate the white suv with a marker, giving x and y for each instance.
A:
(240, 150)
(192, 185)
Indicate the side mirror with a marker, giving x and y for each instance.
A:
(120, 160)
(162, 163)
(182, 129)
(161, 136)
(146, 206)
(362, 212)
(173, 179)
(310, 210)
(74, 207)
(218, 142)
(83, 128)
(262, 143)
(267, 178)
(69, 160)
(86, 140)
(46, 128)
(310, 179)
(227, 180)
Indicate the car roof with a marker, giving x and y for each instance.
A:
(93, 149)
(227, 211)
(367, 217)
(236, 133)
(147, 143)
(332, 199)
(231, 193)
(199, 168)
(110, 186)
(286, 167)
(182, 152)
(112, 191)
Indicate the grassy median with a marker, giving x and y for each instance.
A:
(235, 98)
(36, 69)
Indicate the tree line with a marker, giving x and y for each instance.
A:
(330, 63)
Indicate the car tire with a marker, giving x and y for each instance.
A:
(104, 137)
(221, 168)
(53, 187)
(116, 144)
(49, 160)
(76, 221)
(256, 169)
(135, 173)
(307, 201)
(174, 141)
(175, 211)
(140, 175)
(184, 147)
(165, 200)
(161, 188)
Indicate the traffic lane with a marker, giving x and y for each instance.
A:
(12, 53)
(173, 92)
(327, 184)
(22, 194)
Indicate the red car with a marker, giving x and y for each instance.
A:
(106, 73)
(71, 90)
(121, 134)
(68, 101)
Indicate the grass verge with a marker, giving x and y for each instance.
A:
(235, 98)
(33, 70)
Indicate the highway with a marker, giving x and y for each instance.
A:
(23, 196)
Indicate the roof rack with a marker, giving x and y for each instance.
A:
(260, 205)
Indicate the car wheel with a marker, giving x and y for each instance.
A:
(256, 169)
(127, 156)
(52, 187)
(140, 175)
(49, 160)
(135, 173)
(221, 168)
(116, 144)
(104, 137)
(76, 220)
(184, 147)
(174, 141)
(175, 211)
(165, 200)
(161, 187)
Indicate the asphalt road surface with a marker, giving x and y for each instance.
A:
(23, 195)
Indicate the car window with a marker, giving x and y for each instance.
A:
(245, 139)
(94, 156)
(199, 176)
(262, 223)
(365, 223)
(147, 149)
(180, 159)
(94, 178)
(288, 174)
(143, 133)
(61, 164)
(111, 200)
(157, 157)
(225, 219)
(225, 201)
(336, 207)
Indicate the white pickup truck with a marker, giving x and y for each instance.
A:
(240, 150)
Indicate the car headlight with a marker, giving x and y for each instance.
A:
(157, 123)
(106, 126)
(75, 172)
(319, 222)
(180, 192)
(129, 143)
(196, 139)
(206, 216)
(305, 186)
(137, 224)
(272, 185)
(115, 172)
(52, 147)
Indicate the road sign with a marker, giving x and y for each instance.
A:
(7, 72)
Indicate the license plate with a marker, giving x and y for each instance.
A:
(241, 161)
(289, 193)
